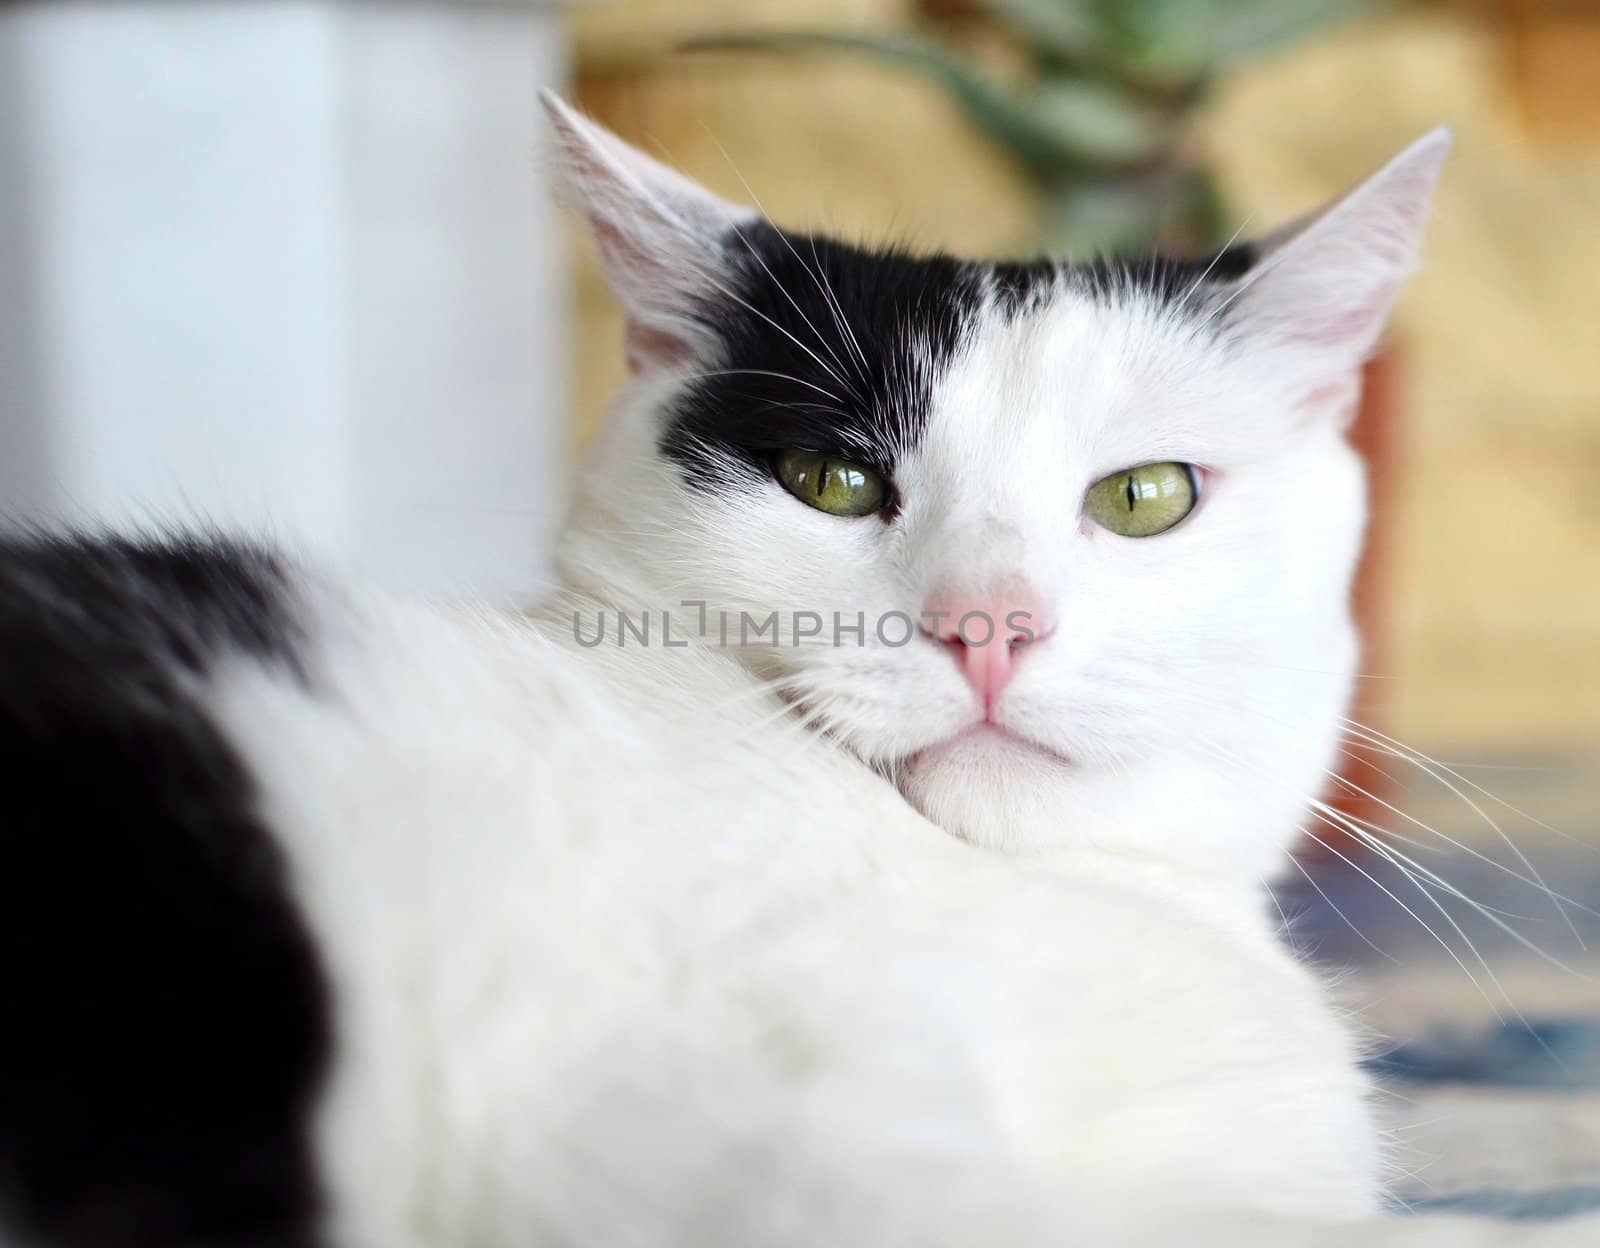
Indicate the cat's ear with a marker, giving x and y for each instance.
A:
(1323, 286)
(662, 238)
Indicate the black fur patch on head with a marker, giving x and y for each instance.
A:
(826, 347)
(166, 1018)
(1020, 286)
(830, 347)
(1166, 279)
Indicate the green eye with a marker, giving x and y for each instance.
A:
(1142, 501)
(829, 483)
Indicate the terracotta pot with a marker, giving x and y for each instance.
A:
(1375, 437)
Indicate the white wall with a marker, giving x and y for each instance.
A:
(289, 266)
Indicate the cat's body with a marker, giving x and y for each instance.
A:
(579, 953)
(358, 923)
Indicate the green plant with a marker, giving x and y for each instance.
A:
(1099, 114)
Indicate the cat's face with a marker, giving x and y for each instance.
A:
(1065, 551)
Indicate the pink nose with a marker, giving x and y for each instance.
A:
(985, 632)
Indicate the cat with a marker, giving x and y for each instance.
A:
(863, 845)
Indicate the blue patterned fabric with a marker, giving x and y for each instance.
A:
(1538, 1053)
(1495, 1084)
(1531, 1206)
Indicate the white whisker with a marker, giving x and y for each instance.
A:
(1336, 819)
(1422, 761)
(834, 308)
(1222, 251)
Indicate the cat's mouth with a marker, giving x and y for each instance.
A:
(989, 740)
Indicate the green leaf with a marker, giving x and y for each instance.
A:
(1181, 40)
(1160, 41)
(1059, 126)
(1070, 29)
(1101, 218)
(1210, 220)
(1247, 27)
(1099, 122)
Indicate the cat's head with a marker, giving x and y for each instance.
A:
(1126, 487)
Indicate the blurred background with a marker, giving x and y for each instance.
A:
(293, 265)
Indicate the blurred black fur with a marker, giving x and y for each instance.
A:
(167, 1022)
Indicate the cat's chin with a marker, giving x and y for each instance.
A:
(985, 745)
(966, 781)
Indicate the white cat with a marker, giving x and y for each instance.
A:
(904, 887)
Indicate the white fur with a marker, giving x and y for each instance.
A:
(625, 954)
(592, 951)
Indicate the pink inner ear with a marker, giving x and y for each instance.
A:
(625, 259)
(649, 349)
(633, 268)
(636, 272)
(1334, 326)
